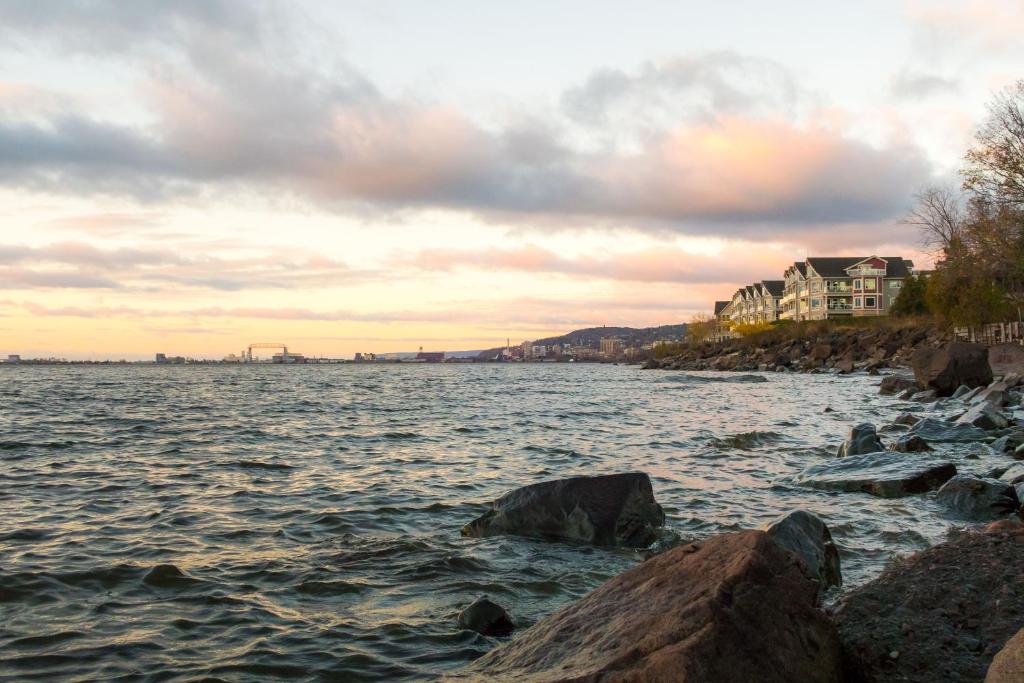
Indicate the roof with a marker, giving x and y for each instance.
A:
(720, 306)
(833, 266)
(774, 287)
(802, 267)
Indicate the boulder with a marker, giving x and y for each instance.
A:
(805, 535)
(486, 617)
(862, 439)
(1008, 664)
(910, 443)
(945, 369)
(995, 393)
(907, 419)
(1018, 453)
(608, 510)
(820, 352)
(940, 615)
(933, 430)
(983, 416)
(652, 364)
(927, 396)
(1014, 474)
(976, 498)
(962, 391)
(895, 384)
(886, 474)
(1007, 359)
(1008, 443)
(844, 367)
(733, 608)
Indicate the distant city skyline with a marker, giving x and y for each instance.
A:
(193, 177)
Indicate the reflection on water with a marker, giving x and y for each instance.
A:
(266, 522)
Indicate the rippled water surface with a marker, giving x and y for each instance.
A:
(269, 522)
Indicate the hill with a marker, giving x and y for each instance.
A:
(591, 337)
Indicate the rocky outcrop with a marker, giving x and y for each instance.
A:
(486, 617)
(609, 510)
(734, 608)
(862, 439)
(944, 369)
(940, 615)
(886, 474)
(1008, 664)
(977, 498)
(806, 536)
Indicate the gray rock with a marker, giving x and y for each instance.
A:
(908, 394)
(886, 474)
(1008, 443)
(962, 391)
(609, 510)
(933, 430)
(894, 384)
(862, 439)
(928, 396)
(983, 416)
(946, 368)
(805, 535)
(995, 393)
(486, 617)
(977, 499)
(1014, 474)
(1018, 453)
(910, 443)
(908, 419)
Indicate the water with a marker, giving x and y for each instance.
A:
(267, 523)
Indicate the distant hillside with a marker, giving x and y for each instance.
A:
(630, 336)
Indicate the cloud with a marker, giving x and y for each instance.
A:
(916, 85)
(711, 143)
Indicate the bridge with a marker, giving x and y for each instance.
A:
(267, 345)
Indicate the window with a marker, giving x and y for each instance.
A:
(869, 302)
(857, 283)
(856, 302)
(869, 283)
(815, 303)
(895, 284)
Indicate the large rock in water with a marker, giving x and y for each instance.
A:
(734, 608)
(894, 384)
(945, 369)
(804, 534)
(934, 430)
(862, 439)
(978, 499)
(940, 615)
(610, 510)
(487, 617)
(886, 474)
(1008, 665)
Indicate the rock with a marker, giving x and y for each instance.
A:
(1014, 474)
(1018, 453)
(995, 393)
(928, 396)
(486, 617)
(610, 510)
(652, 364)
(983, 416)
(907, 419)
(1007, 359)
(805, 535)
(946, 368)
(845, 367)
(1008, 443)
(886, 474)
(820, 352)
(961, 391)
(926, 606)
(976, 498)
(894, 384)
(933, 430)
(1008, 664)
(910, 443)
(734, 608)
(908, 394)
(862, 439)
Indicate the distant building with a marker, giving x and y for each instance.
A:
(161, 358)
(611, 347)
(13, 358)
(288, 358)
(430, 356)
(232, 358)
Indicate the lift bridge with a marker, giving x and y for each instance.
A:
(285, 356)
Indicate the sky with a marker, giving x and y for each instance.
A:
(376, 175)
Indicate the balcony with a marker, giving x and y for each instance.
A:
(838, 288)
(839, 306)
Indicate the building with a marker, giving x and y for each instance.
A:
(611, 347)
(853, 286)
(793, 305)
(13, 359)
(430, 356)
(161, 358)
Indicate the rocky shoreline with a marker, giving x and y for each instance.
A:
(748, 605)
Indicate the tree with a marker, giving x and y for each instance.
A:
(939, 215)
(701, 328)
(995, 164)
(912, 299)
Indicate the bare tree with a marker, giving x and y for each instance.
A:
(940, 215)
(995, 165)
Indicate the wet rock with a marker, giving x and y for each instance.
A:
(936, 431)
(910, 443)
(652, 364)
(1018, 453)
(908, 394)
(978, 499)
(928, 396)
(1008, 664)
(995, 393)
(167, 576)
(907, 419)
(961, 391)
(844, 367)
(983, 416)
(1014, 474)
(895, 384)
(945, 369)
(805, 535)
(886, 474)
(609, 510)
(736, 607)
(486, 617)
(925, 607)
(1008, 443)
(862, 439)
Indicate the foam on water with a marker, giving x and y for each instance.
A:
(259, 522)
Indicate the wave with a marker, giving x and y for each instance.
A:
(724, 378)
(745, 441)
